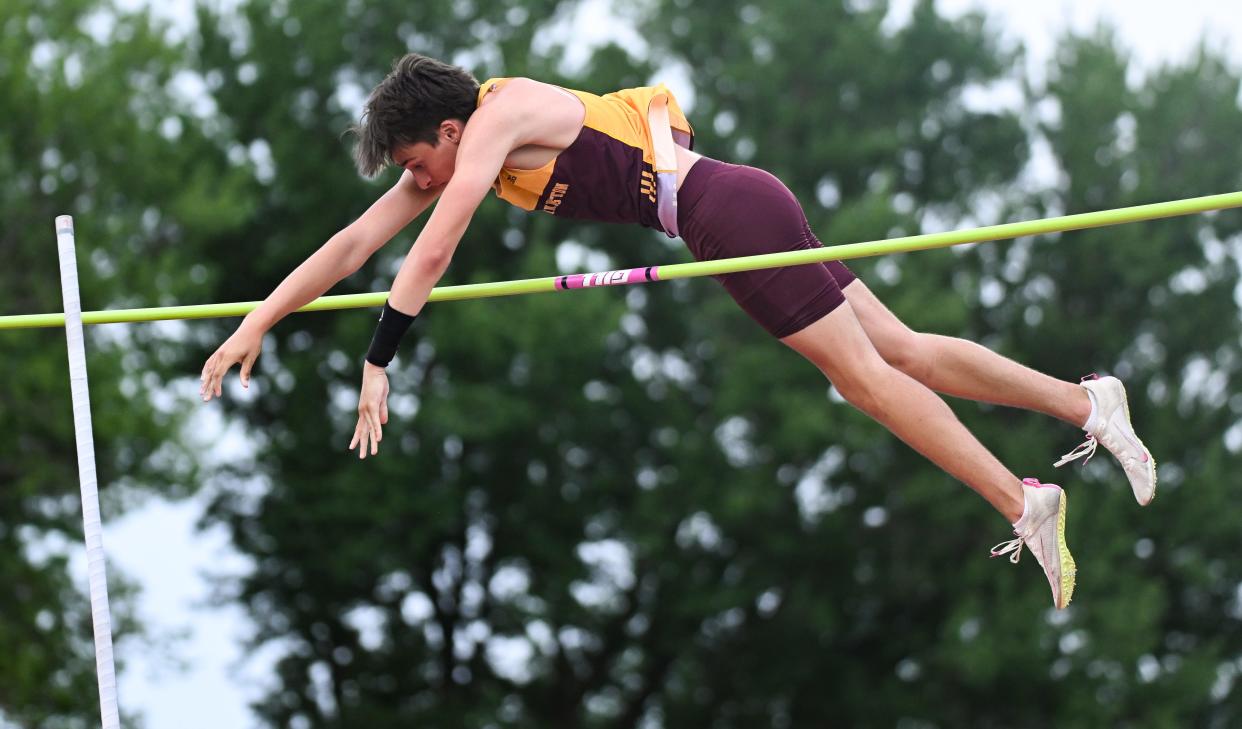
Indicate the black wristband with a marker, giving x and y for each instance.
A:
(392, 326)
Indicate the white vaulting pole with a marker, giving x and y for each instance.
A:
(101, 615)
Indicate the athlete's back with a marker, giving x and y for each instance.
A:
(607, 173)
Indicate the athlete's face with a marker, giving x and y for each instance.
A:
(432, 166)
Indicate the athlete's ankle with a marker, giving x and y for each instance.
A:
(1014, 502)
(1079, 407)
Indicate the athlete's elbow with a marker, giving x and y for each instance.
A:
(431, 260)
(351, 263)
(353, 253)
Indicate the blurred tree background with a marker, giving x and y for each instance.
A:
(617, 507)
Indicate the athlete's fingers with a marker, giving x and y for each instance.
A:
(372, 438)
(373, 420)
(247, 364)
(384, 412)
(360, 435)
(217, 376)
(357, 434)
(209, 385)
(366, 416)
(367, 422)
(209, 368)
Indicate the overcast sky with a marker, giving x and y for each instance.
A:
(158, 546)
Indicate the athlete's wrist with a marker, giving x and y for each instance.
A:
(392, 326)
(254, 323)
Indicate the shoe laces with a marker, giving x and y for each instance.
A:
(1013, 548)
(1086, 448)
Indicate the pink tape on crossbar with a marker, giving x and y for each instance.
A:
(608, 278)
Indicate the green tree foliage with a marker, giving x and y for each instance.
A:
(908, 624)
(628, 492)
(1156, 641)
(91, 129)
(631, 507)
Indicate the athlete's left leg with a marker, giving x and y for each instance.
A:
(962, 368)
(965, 369)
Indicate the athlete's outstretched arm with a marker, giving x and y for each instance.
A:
(492, 133)
(342, 255)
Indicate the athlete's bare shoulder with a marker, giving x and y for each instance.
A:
(553, 115)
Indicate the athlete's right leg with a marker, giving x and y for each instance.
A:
(839, 347)
(962, 368)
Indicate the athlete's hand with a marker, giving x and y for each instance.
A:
(244, 347)
(372, 410)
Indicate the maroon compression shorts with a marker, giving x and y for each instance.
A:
(726, 210)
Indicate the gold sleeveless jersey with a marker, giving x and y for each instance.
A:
(607, 173)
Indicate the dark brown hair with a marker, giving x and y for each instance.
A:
(408, 106)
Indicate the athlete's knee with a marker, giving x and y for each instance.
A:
(909, 352)
(901, 347)
(864, 383)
